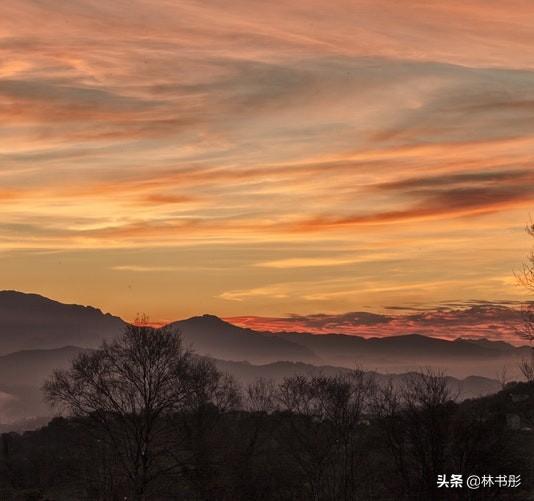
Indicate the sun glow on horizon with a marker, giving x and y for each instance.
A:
(254, 159)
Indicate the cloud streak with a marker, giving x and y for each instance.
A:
(352, 146)
(497, 322)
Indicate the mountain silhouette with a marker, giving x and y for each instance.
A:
(469, 387)
(39, 335)
(408, 352)
(210, 336)
(30, 321)
(32, 367)
(23, 373)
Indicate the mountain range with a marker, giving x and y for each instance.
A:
(30, 321)
(22, 374)
(38, 335)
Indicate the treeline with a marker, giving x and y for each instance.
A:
(147, 420)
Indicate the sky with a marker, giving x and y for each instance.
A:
(274, 162)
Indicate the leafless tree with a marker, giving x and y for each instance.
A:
(526, 275)
(205, 385)
(129, 390)
(416, 417)
(388, 408)
(261, 396)
(526, 367)
(427, 389)
(326, 413)
(199, 446)
(526, 279)
(503, 376)
(526, 331)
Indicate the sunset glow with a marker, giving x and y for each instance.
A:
(269, 162)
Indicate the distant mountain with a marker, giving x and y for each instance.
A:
(403, 353)
(213, 337)
(21, 376)
(410, 346)
(496, 346)
(470, 387)
(32, 367)
(38, 335)
(23, 373)
(30, 321)
(210, 336)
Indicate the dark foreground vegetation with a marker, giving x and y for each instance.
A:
(147, 420)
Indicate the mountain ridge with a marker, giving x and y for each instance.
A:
(30, 321)
(22, 400)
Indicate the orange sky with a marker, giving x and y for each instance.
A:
(265, 158)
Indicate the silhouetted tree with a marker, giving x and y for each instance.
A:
(526, 331)
(322, 430)
(331, 445)
(526, 275)
(129, 390)
(200, 443)
(261, 396)
(416, 419)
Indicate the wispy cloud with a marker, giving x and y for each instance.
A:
(367, 153)
(473, 319)
(312, 262)
(145, 269)
(269, 292)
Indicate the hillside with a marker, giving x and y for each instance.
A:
(210, 336)
(30, 321)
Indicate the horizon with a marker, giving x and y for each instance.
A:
(284, 166)
(469, 325)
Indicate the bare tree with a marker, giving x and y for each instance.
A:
(326, 412)
(427, 397)
(526, 275)
(388, 408)
(200, 445)
(526, 279)
(503, 376)
(129, 390)
(261, 396)
(526, 367)
(416, 417)
(426, 389)
(526, 331)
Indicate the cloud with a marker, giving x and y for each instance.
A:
(144, 269)
(373, 129)
(312, 262)
(272, 291)
(491, 321)
(333, 322)
(459, 180)
(440, 197)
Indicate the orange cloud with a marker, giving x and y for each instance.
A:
(308, 140)
(497, 322)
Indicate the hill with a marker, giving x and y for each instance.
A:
(210, 336)
(30, 321)
(23, 373)
(459, 357)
